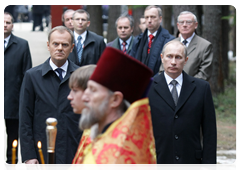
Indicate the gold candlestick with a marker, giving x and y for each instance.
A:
(14, 145)
(40, 152)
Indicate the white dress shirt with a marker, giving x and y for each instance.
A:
(83, 35)
(64, 68)
(179, 79)
(188, 39)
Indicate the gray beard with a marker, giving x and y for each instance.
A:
(91, 116)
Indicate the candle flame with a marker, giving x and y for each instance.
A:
(39, 145)
(14, 143)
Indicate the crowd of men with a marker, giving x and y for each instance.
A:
(101, 94)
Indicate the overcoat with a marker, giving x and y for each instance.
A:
(43, 96)
(92, 50)
(17, 60)
(162, 37)
(185, 134)
(116, 44)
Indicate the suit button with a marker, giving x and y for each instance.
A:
(176, 116)
(177, 158)
(176, 137)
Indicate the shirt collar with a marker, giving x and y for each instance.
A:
(188, 39)
(128, 40)
(63, 67)
(179, 79)
(83, 35)
(7, 40)
(154, 34)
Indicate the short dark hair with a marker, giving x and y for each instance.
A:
(81, 11)
(61, 29)
(7, 13)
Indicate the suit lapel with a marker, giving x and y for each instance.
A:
(187, 89)
(192, 46)
(161, 87)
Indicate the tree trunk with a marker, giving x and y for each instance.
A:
(113, 13)
(96, 21)
(167, 18)
(235, 32)
(137, 13)
(213, 32)
(225, 41)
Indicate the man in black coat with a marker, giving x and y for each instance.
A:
(89, 48)
(146, 49)
(124, 25)
(183, 114)
(44, 94)
(17, 60)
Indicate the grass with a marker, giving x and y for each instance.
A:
(225, 107)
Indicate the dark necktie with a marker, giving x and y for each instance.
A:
(59, 70)
(150, 42)
(124, 47)
(79, 48)
(4, 44)
(185, 42)
(174, 91)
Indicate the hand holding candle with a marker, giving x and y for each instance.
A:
(40, 152)
(14, 145)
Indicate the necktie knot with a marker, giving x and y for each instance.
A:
(59, 70)
(79, 38)
(174, 82)
(151, 36)
(185, 42)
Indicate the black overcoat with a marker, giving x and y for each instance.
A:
(94, 45)
(177, 131)
(43, 96)
(17, 60)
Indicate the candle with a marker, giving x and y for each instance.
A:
(14, 145)
(40, 152)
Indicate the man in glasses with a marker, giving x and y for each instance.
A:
(199, 50)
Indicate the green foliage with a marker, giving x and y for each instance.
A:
(225, 103)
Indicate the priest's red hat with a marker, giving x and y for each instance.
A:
(120, 72)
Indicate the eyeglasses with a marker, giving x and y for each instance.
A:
(188, 22)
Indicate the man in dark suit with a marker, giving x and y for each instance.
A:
(200, 54)
(147, 47)
(124, 25)
(183, 114)
(88, 45)
(17, 60)
(44, 94)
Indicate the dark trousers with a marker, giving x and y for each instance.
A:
(12, 134)
(37, 21)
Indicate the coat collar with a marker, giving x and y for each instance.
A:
(161, 87)
(12, 40)
(47, 68)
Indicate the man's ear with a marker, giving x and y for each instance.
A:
(116, 99)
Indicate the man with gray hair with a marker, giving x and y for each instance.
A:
(44, 94)
(200, 52)
(147, 47)
(67, 18)
(124, 41)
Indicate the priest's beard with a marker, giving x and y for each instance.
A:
(92, 116)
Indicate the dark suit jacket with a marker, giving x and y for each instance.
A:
(17, 60)
(43, 96)
(94, 45)
(154, 62)
(115, 44)
(177, 131)
(200, 58)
